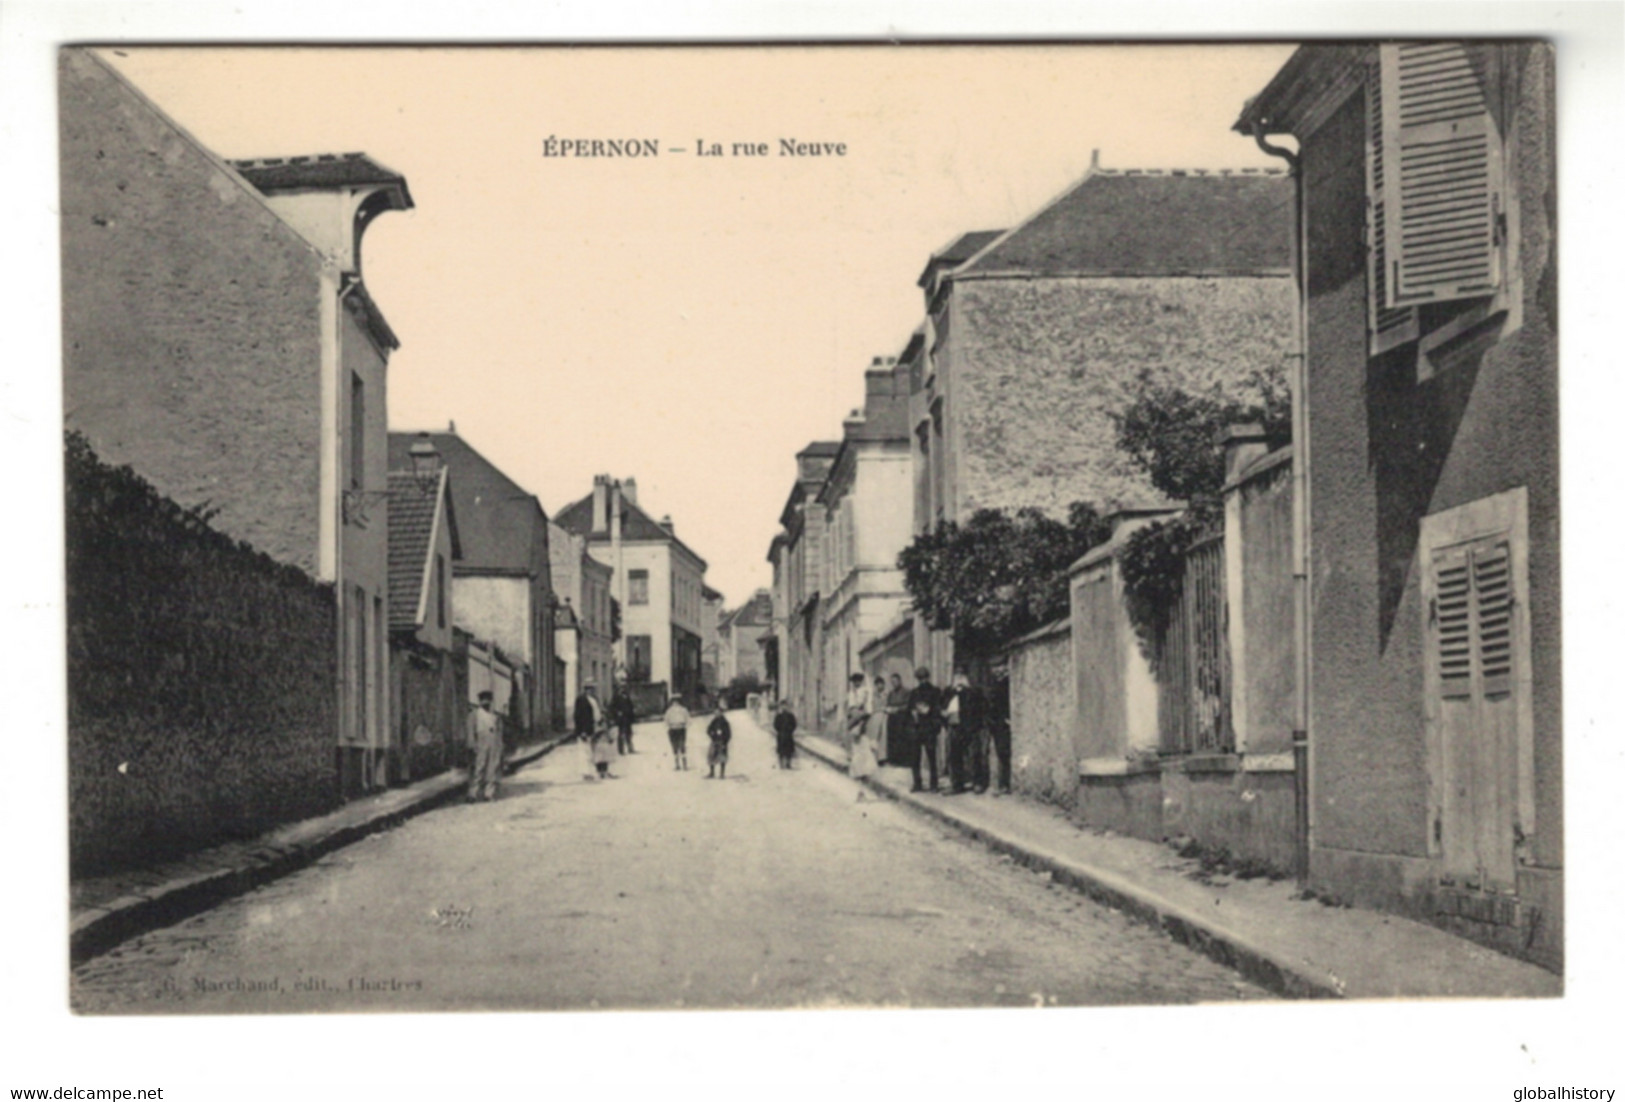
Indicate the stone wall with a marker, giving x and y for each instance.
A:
(1044, 717)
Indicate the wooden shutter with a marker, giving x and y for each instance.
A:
(1441, 187)
(1492, 596)
(1389, 326)
(1452, 612)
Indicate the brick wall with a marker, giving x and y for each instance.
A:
(202, 705)
(191, 341)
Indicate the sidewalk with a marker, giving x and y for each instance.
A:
(106, 910)
(1294, 947)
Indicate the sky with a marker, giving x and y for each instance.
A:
(690, 322)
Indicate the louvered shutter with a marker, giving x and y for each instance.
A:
(1389, 326)
(1452, 614)
(1441, 187)
(1492, 600)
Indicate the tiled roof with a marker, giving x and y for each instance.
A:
(501, 525)
(1152, 223)
(411, 528)
(756, 612)
(324, 170)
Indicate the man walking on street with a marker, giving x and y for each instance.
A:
(925, 719)
(677, 718)
(485, 739)
(622, 713)
(784, 731)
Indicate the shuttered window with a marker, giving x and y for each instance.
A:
(1473, 620)
(1435, 185)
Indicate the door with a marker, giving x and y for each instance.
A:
(1473, 644)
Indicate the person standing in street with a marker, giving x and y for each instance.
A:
(899, 741)
(925, 720)
(485, 739)
(622, 713)
(880, 725)
(859, 709)
(784, 732)
(721, 733)
(592, 730)
(677, 718)
(998, 725)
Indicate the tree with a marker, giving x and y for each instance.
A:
(998, 575)
(1171, 434)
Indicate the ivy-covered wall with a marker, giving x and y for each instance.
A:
(202, 705)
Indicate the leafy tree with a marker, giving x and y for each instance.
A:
(1171, 434)
(1168, 431)
(998, 575)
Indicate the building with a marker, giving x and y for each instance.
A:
(797, 555)
(866, 498)
(1035, 335)
(658, 582)
(711, 610)
(1427, 465)
(425, 705)
(502, 587)
(219, 340)
(582, 585)
(739, 638)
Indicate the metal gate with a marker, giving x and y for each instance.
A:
(1193, 669)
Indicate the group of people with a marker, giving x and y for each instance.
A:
(889, 724)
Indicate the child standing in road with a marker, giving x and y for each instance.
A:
(717, 757)
(677, 718)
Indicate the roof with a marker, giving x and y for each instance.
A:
(636, 525)
(323, 171)
(411, 544)
(959, 250)
(820, 447)
(1307, 76)
(502, 526)
(1117, 222)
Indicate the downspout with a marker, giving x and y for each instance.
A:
(340, 597)
(1300, 504)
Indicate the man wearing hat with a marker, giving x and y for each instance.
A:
(591, 729)
(485, 739)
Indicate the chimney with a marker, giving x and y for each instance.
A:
(629, 490)
(671, 529)
(600, 503)
(1242, 444)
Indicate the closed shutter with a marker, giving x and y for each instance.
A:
(1454, 630)
(1442, 179)
(1389, 326)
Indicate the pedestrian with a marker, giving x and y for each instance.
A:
(898, 740)
(925, 719)
(881, 723)
(998, 726)
(965, 713)
(485, 739)
(859, 707)
(784, 731)
(622, 713)
(677, 718)
(975, 722)
(717, 756)
(592, 729)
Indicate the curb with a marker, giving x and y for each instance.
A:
(1194, 931)
(94, 930)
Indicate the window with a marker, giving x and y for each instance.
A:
(358, 432)
(639, 664)
(440, 589)
(1437, 209)
(637, 586)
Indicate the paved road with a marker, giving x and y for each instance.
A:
(659, 889)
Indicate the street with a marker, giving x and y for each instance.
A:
(658, 889)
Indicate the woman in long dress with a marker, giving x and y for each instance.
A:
(858, 711)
